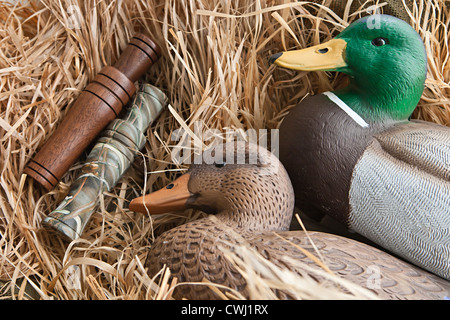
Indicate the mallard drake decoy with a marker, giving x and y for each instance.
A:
(360, 158)
(256, 200)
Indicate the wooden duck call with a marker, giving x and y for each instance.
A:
(98, 105)
(111, 156)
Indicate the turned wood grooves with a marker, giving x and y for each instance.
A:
(99, 103)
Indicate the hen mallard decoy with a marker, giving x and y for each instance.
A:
(255, 200)
(360, 159)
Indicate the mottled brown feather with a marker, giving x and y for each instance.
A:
(253, 204)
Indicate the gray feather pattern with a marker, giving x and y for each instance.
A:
(400, 195)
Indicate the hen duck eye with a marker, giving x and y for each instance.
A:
(220, 165)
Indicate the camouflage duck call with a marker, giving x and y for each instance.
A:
(108, 160)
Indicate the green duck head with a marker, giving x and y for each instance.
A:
(385, 59)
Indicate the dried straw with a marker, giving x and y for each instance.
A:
(214, 70)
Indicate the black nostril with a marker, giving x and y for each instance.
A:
(170, 186)
(275, 57)
(323, 50)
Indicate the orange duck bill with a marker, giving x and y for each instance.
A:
(171, 198)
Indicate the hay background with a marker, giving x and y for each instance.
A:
(214, 69)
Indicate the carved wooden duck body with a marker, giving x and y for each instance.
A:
(360, 159)
(253, 202)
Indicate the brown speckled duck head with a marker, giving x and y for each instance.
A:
(242, 183)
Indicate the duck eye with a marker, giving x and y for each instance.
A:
(378, 42)
(220, 165)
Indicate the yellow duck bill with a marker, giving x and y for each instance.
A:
(171, 198)
(327, 56)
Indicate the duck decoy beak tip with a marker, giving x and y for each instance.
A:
(274, 57)
(173, 197)
(137, 204)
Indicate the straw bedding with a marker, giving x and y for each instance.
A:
(214, 69)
